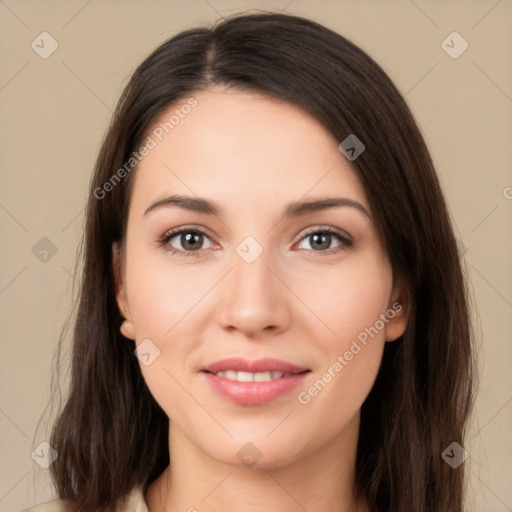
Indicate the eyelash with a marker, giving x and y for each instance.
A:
(345, 243)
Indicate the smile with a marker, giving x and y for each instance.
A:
(256, 382)
(252, 377)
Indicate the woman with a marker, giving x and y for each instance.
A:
(273, 313)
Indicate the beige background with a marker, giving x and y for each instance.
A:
(54, 114)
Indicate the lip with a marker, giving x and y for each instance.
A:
(253, 393)
(238, 364)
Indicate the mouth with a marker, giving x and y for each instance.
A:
(252, 377)
(256, 382)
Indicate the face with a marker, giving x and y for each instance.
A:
(293, 305)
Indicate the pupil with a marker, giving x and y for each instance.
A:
(318, 238)
(190, 239)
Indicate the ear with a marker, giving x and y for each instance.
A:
(127, 328)
(398, 311)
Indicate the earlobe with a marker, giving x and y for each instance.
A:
(398, 312)
(127, 329)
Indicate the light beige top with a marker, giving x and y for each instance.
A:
(135, 503)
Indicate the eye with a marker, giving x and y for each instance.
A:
(188, 240)
(320, 240)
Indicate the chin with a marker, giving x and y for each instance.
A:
(260, 453)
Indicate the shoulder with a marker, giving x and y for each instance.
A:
(135, 503)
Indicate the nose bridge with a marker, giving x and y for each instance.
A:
(253, 300)
(252, 276)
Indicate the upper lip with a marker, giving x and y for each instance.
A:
(258, 365)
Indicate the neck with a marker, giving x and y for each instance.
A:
(321, 480)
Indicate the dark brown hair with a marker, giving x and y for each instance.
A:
(112, 435)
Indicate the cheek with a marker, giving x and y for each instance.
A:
(166, 308)
(350, 303)
(162, 292)
(345, 300)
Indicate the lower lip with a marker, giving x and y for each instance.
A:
(254, 393)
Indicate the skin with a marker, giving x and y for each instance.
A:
(253, 155)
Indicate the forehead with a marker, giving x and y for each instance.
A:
(243, 149)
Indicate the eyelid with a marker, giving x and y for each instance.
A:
(327, 229)
(188, 228)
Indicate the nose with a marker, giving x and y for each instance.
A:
(254, 298)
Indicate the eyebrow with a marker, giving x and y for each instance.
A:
(295, 209)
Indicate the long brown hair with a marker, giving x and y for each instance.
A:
(111, 435)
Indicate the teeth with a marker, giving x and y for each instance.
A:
(251, 377)
(243, 377)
